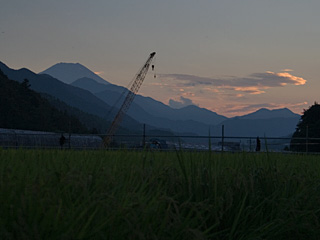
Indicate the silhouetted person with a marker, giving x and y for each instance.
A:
(62, 140)
(258, 147)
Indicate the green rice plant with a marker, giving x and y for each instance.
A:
(54, 194)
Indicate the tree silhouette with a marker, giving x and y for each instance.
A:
(308, 129)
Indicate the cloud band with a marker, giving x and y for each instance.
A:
(256, 83)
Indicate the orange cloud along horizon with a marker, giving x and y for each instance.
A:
(297, 80)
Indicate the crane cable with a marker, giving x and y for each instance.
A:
(153, 66)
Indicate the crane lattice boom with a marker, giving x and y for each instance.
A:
(138, 80)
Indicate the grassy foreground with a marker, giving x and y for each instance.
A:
(51, 194)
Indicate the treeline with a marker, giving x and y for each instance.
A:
(306, 138)
(23, 108)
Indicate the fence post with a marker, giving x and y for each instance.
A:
(307, 136)
(144, 136)
(69, 132)
(222, 139)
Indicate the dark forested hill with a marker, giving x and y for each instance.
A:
(72, 96)
(22, 108)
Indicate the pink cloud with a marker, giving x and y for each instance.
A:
(295, 80)
(256, 83)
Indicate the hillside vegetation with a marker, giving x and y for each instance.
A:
(22, 108)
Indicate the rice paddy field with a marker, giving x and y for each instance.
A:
(62, 194)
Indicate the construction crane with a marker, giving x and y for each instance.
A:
(140, 76)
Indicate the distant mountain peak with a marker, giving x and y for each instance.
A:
(264, 113)
(66, 63)
(70, 72)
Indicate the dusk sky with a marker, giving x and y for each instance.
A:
(230, 56)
